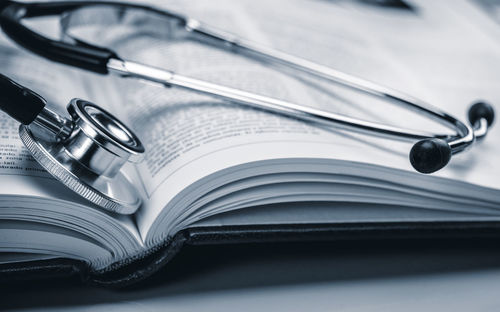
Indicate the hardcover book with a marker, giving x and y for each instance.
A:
(217, 172)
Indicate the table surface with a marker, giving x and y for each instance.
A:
(348, 276)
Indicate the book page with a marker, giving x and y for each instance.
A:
(189, 136)
(180, 128)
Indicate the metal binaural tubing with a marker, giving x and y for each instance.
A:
(293, 110)
(476, 133)
(462, 143)
(58, 127)
(481, 129)
(136, 70)
(273, 56)
(465, 135)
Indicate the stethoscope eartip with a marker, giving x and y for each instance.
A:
(430, 155)
(481, 110)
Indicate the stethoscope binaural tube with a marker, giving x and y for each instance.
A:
(431, 153)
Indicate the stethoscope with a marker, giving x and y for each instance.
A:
(87, 152)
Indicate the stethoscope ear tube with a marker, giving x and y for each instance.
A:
(86, 57)
(431, 153)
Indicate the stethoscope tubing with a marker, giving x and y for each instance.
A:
(272, 56)
(105, 61)
(463, 138)
(163, 77)
(103, 57)
(459, 142)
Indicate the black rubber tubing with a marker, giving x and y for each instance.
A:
(19, 102)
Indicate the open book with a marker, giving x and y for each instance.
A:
(215, 164)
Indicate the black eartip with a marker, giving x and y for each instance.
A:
(430, 155)
(481, 110)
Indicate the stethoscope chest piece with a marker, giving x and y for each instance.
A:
(89, 158)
